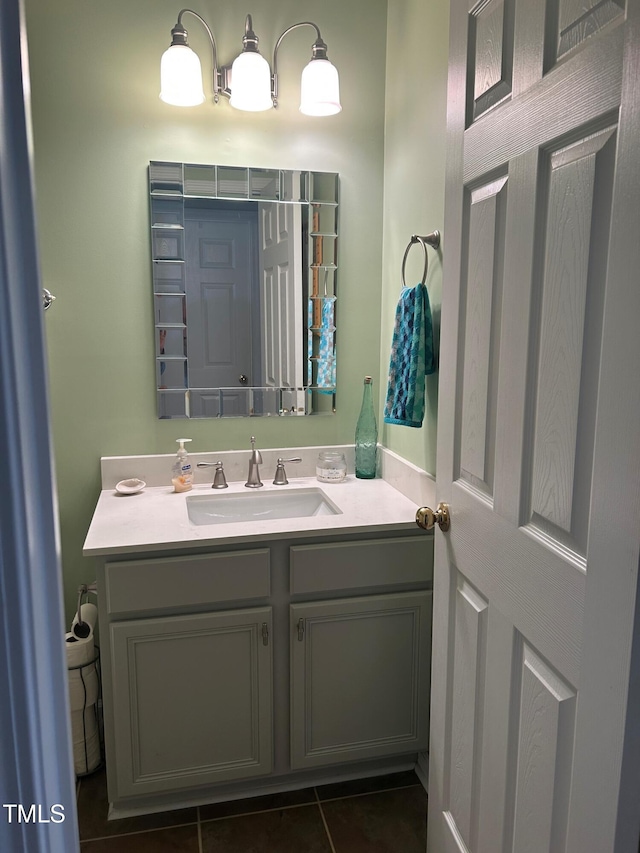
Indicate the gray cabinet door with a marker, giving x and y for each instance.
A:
(359, 678)
(192, 700)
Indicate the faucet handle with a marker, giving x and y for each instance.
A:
(280, 478)
(219, 479)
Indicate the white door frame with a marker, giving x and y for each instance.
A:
(35, 742)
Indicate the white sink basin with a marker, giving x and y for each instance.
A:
(259, 506)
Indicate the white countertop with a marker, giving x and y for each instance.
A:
(156, 518)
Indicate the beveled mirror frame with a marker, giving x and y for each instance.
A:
(304, 381)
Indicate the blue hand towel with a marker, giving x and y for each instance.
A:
(326, 353)
(412, 358)
(322, 328)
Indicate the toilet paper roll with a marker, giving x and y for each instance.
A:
(83, 687)
(84, 629)
(86, 762)
(87, 757)
(86, 740)
(79, 652)
(84, 725)
(82, 673)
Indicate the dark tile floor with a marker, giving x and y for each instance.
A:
(386, 814)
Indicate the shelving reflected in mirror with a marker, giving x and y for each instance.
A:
(244, 290)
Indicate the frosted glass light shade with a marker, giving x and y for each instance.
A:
(181, 77)
(320, 89)
(251, 82)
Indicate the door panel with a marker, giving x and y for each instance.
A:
(565, 337)
(540, 761)
(470, 653)
(221, 259)
(484, 247)
(491, 39)
(535, 583)
(579, 20)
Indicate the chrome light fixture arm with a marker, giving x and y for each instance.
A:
(319, 52)
(179, 35)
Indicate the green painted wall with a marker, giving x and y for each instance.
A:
(97, 122)
(417, 55)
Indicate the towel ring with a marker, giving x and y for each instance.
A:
(433, 240)
(47, 298)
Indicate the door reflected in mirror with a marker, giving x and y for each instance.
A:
(244, 282)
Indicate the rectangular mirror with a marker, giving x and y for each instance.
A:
(244, 290)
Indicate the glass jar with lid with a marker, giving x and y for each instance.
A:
(331, 466)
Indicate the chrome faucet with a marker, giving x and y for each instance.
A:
(253, 480)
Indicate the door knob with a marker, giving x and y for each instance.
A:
(427, 518)
(242, 379)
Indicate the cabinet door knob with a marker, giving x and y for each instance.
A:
(301, 629)
(427, 518)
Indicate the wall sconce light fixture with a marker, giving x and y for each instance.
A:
(249, 82)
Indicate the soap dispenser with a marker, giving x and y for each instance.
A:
(182, 473)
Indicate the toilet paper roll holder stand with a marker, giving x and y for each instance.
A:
(82, 629)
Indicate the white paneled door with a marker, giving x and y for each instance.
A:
(280, 262)
(534, 716)
(221, 262)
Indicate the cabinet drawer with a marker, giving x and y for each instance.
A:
(354, 565)
(179, 581)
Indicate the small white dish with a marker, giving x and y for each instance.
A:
(130, 487)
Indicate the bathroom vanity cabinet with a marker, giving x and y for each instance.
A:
(228, 669)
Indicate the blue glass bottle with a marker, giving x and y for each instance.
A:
(366, 435)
